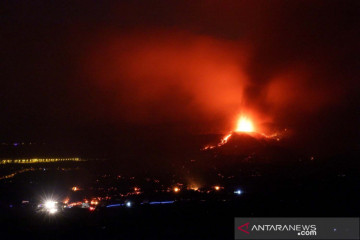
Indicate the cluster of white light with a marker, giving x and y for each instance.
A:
(50, 206)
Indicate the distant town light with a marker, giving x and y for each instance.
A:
(128, 204)
(114, 205)
(176, 189)
(66, 200)
(217, 188)
(163, 202)
(50, 206)
(37, 160)
(238, 192)
(52, 210)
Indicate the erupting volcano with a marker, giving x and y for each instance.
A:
(246, 126)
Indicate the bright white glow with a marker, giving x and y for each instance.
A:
(128, 204)
(244, 125)
(49, 204)
(238, 192)
(52, 210)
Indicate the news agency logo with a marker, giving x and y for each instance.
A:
(301, 230)
(244, 225)
(297, 228)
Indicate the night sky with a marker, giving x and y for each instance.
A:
(129, 69)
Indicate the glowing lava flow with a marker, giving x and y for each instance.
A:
(225, 139)
(244, 125)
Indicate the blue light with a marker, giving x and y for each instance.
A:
(238, 192)
(128, 204)
(164, 202)
(114, 205)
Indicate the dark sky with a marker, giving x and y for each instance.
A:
(71, 69)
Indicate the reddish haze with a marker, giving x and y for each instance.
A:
(170, 76)
(296, 88)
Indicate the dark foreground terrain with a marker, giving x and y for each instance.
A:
(209, 219)
(274, 182)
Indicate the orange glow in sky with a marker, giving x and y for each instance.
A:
(244, 124)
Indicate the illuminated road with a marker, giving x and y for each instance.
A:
(38, 160)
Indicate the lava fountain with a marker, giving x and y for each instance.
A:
(244, 124)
